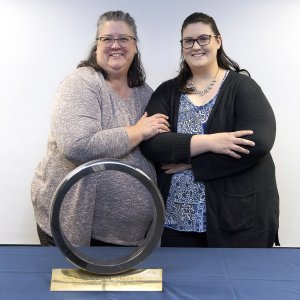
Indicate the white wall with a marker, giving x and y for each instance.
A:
(42, 41)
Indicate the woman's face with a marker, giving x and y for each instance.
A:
(115, 57)
(200, 56)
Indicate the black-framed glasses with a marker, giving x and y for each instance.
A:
(123, 40)
(202, 40)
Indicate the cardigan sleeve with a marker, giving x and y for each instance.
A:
(251, 111)
(169, 147)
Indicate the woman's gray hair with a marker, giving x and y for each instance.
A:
(136, 75)
(117, 15)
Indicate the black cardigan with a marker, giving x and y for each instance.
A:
(241, 194)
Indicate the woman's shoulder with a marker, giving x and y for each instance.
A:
(241, 80)
(81, 79)
(168, 85)
(83, 75)
(146, 91)
(145, 88)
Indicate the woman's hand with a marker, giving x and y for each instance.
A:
(228, 143)
(146, 127)
(150, 126)
(175, 168)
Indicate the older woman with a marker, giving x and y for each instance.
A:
(98, 113)
(219, 187)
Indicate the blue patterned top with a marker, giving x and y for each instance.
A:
(185, 207)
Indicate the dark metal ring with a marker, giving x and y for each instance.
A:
(110, 266)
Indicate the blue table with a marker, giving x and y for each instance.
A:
(233, 274)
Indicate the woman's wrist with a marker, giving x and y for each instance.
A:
(199, 144)
(134, 135)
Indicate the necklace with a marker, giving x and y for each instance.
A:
(207, 89)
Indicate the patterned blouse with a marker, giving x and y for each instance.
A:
(185, 206)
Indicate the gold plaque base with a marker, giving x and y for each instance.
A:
(80, 280)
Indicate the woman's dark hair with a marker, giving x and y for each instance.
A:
(136, 74)
(223, 60)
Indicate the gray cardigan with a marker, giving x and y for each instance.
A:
(88, 122)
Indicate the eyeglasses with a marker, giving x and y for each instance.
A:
(122, 40)
(202, 40)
